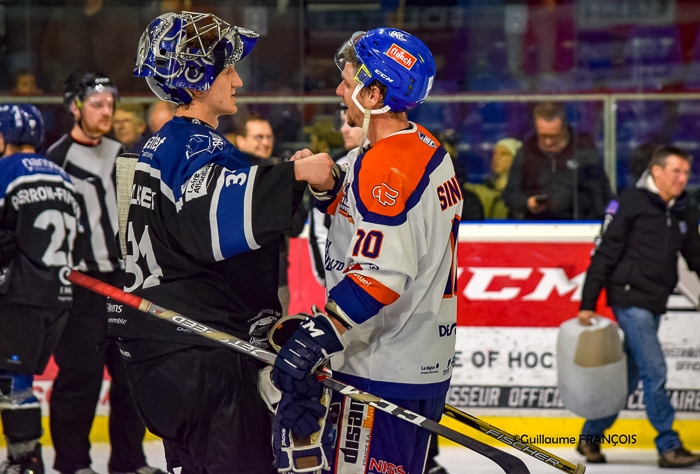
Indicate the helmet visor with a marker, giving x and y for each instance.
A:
(340, 59)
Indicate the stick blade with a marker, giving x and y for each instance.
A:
(126, 167)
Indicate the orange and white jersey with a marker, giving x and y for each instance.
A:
(390, 265)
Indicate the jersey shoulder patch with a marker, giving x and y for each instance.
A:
(391, 177)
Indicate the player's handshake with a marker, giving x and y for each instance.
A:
(317, 170)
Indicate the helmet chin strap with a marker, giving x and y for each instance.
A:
(367, 112)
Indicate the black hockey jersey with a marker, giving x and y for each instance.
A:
(38, 204)
(202, 239)
(92, 171)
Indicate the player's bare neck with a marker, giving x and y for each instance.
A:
(384, 125)
(80, 136)
(197, 111)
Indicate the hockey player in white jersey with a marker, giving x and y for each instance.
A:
(390, 267)
(39, 221)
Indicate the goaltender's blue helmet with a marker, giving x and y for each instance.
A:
(187, 51)
(395, 58)
(21, 125)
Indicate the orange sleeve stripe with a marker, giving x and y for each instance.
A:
(376, 290)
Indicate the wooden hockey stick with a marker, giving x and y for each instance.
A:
(514, 441)
(509, 463)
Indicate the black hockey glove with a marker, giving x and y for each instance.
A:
(309, 347)
(8, 247)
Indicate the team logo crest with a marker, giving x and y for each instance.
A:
(385, 195)
(200, 143)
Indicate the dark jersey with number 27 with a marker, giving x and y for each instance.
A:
(38, 205)
(202, 239)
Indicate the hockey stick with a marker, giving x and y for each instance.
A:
(126, 167)
(509, 463)
(514, 441)
(287, 325)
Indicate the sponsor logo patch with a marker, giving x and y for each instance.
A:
(401, 56)
(197, 184)
(355, 433)
(426, 139)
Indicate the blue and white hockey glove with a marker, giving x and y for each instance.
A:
(296, 452)
(309, 347)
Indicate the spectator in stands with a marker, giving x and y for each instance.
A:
(25, 83)
(491, 191)
(254, 137)
(130, 126)
(158, 113)
(557, 174)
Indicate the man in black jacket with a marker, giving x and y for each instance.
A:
(635, 259)
(557, 174)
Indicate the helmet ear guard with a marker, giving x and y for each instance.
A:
(189, 50)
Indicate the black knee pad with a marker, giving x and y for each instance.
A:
(21, 424)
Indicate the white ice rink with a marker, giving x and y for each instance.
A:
(457, 460)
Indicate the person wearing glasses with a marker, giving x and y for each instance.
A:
(89, 158)
(557, 174)
(254, 137)
(390, 312)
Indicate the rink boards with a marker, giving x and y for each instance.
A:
(516, 284)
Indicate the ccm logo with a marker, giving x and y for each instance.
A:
(482, 287)
(447, 329)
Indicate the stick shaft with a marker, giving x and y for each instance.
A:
(513, 441)
(509, 463)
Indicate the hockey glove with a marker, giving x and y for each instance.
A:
(309, 347)
(8, 247)
(300, 415)
(295, 453)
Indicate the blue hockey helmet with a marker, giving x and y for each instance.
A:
(21, 125)
(395, 58)
(187, 51)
